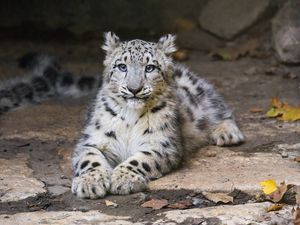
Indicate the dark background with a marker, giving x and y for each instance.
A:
(86, 19)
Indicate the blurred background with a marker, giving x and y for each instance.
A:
(203, 25)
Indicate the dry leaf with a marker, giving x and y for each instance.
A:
(268, 186)
(185, 24)
(283, 111)
(277, 195)
(272, 191)
(297, 159)
(155, 203)
(275, 207)
(296, 213)
(256, 110)
(232, 53)
(180, 55)
(184, 204)
(218, 197)
(110, 203)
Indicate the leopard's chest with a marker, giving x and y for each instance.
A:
(123, 134)
(133, 133)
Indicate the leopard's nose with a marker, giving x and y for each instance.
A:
(135, 90)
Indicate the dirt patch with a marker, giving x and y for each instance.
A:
(129, 205)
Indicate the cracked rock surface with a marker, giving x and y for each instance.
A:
(17, 181)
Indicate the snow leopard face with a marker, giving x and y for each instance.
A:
(136, 71)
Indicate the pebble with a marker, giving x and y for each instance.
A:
(198, 201)
(284, 154)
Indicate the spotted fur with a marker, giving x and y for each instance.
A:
(147, 115)
(42, 80)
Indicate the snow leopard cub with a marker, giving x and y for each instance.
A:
(148, 112)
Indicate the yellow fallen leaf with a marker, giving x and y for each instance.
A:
(291, 113)
(276, 109)
(275, 207)
(274, 112)
(283, 111)
(268, 186)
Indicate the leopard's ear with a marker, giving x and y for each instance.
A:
(167, 44)
(111, 42)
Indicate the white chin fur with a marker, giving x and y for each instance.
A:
(135, 103)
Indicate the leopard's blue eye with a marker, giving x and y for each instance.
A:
(149, 68)
(122, 67)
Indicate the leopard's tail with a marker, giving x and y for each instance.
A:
(43, 79)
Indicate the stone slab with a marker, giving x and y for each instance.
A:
(286, 32)
(16, 181)
(197, 39)
(229, 170)
(252, 213)
(63, 218)
(228, 18)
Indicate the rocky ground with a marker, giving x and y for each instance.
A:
(36, 142)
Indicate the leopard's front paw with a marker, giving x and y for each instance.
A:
(92, 184)
(125, 181)
(227, 133)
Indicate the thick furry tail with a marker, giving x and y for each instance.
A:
(43, 80)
